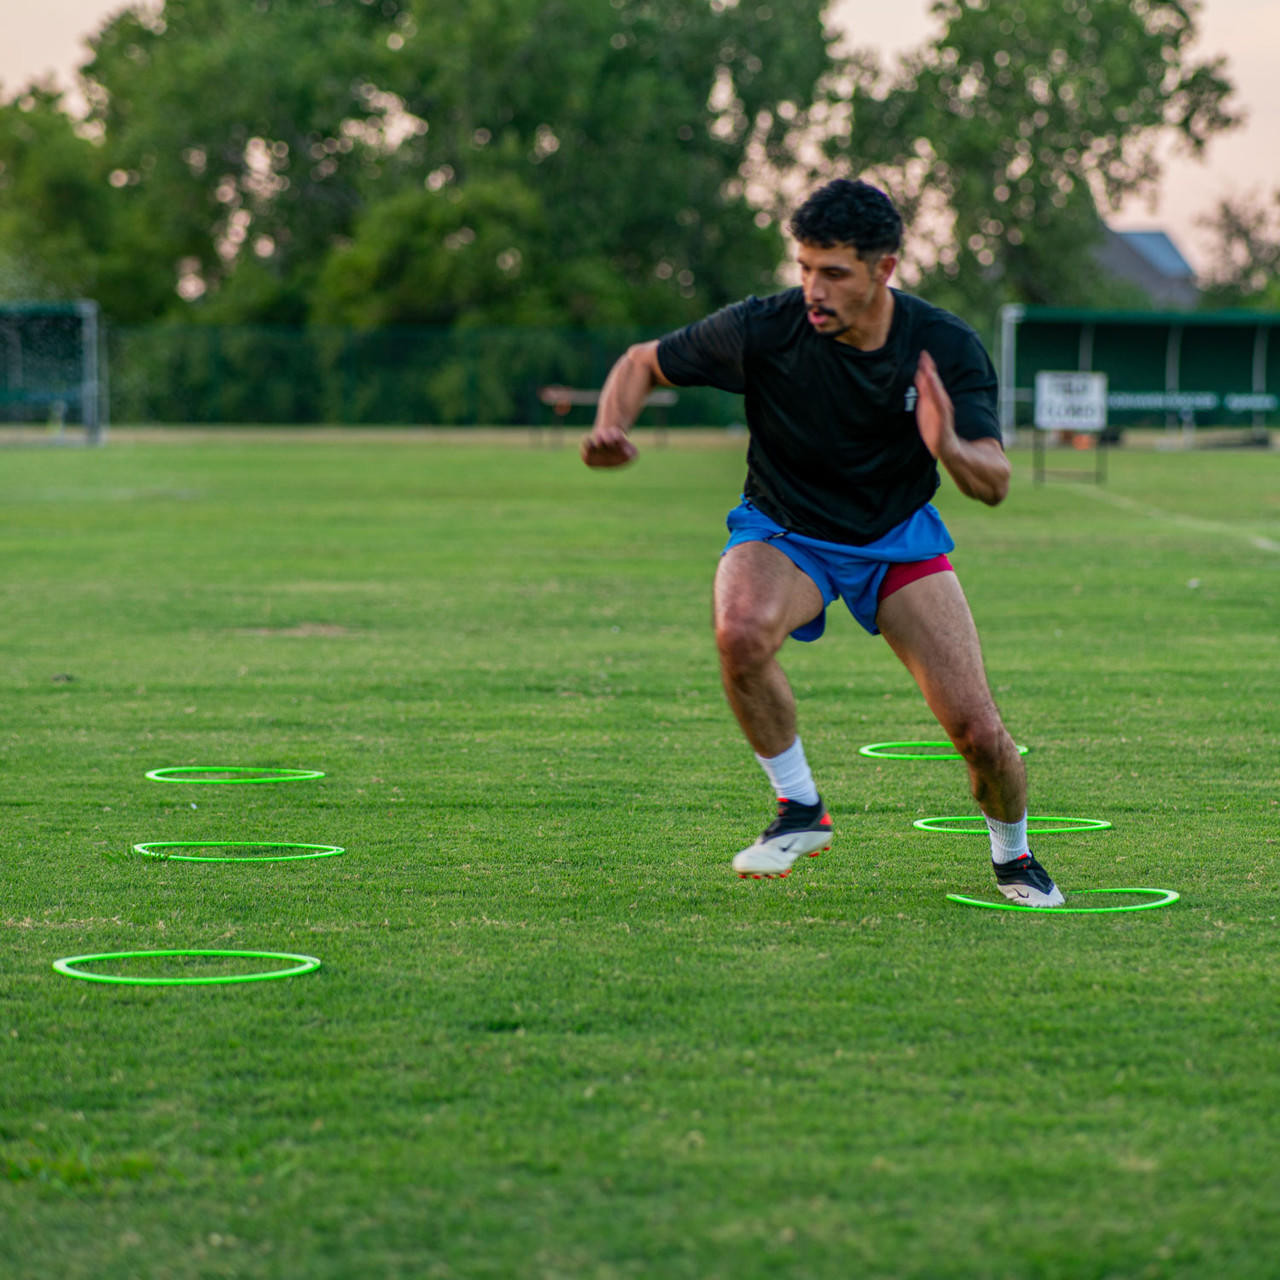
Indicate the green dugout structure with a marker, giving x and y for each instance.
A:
(1163, 368)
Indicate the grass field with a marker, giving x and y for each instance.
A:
(553, 1035)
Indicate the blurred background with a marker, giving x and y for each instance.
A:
(394, 211)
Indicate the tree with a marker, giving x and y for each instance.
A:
(1009, 136)
(233, 131)
(632, 122)
(430, 257)
(577, 162)
(1245, 270)
(55, 217)
(259, 144)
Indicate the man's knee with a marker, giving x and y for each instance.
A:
(746, 640)
(983, 741)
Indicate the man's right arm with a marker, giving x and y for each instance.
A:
(629, 382)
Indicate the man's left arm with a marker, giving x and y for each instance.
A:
(979, 467)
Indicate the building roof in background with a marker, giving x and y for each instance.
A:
(1159, 252)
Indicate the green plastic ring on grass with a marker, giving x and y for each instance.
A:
(154, 849)
(266, 774)
(1164, 898)
(880, 751)
(1081, 824)
(306, 964)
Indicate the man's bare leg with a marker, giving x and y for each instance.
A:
(760, 598)
(928, 625)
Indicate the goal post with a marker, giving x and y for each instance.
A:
(53, 366)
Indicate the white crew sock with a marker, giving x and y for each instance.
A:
(790, 774)
(1008, 839)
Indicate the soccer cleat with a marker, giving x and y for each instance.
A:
(1027, 883)
(798, 829)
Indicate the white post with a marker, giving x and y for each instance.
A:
(1010, 316)
(92, 409)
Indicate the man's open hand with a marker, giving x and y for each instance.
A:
(935, 417)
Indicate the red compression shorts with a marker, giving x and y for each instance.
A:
(900, 574)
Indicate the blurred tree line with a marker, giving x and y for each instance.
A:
(548, 167)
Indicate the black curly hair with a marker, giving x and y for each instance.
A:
(852, 213)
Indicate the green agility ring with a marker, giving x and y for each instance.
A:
(1163, 898)
(159, 849)
(1080, 824)
(896, 751)
(194, 773)
(305, 964)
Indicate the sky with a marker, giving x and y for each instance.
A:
(48, 36)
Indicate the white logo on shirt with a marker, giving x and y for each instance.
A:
(912, 396)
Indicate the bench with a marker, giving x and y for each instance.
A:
(561, 399)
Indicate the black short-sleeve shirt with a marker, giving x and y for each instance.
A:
(835, 452)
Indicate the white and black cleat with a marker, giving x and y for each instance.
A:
(1027, 883)
(798, 830)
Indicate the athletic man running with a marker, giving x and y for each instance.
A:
(854, 392)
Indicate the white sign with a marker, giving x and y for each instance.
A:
(1071, 401)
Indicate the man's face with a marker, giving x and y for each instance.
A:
(840, 288)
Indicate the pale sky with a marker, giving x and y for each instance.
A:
(43, 36)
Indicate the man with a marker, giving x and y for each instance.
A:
(854, 392)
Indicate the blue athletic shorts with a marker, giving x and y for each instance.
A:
(841, 571)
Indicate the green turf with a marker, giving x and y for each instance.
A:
(553, 1034)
